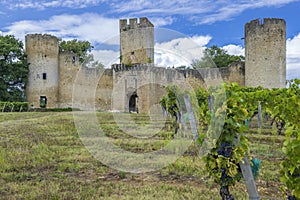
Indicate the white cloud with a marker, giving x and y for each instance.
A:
(158, 21)
(106, 57)
(180, 51)
(202, 12)
(88, 26)
(43, 4)
(177, 52)
(234, 50)
(293, 57)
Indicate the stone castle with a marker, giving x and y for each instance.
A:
(58, 80)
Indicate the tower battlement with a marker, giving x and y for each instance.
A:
(41, 37)
(264, 24)
(133, 23)
(123, 67)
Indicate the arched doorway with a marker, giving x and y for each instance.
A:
(133, 105)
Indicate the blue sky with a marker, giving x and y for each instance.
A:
(188, 26)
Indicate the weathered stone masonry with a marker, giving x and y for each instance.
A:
(265, 45)
(136, 41)
(136, 84)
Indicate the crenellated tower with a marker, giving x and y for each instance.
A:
(136, 41)
(43, 79)
(265, 52)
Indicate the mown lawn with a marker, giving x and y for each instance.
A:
(42, 157)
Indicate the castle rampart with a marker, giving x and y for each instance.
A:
(147, 82)
(69, 66)
(57, 78)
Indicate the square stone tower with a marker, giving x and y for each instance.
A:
(265, 52)
(136, 41)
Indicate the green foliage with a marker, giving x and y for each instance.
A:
(149, 60)
(14, 106)
(54, 109)
(13, 69)
(231, 145)
(80, 48)
(225, 143)
(215, 56)
(225, 126)
(91, 63)
(289, 111)
(282, 104)
(202, 100)
(169, 102)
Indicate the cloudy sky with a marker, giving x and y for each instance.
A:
(183, 27)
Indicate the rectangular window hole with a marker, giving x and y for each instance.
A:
(43, 101)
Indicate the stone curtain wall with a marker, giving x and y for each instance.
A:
(68, 68)
(107, 89)
(95, 84)
(149, 82)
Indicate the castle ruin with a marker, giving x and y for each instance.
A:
(57, 78)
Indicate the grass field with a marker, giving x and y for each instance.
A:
(42, 157)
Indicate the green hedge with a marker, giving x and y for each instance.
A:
(54, 109)
(14, 106)
(24, 107)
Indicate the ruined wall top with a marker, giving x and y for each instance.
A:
(124, 67)
(266, 22)
(133, 23)
(197, 73)
(45, 37)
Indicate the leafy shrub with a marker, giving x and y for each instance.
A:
(14, 106)
(54, 109)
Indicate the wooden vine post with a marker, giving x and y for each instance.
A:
(191, 118)
(249, 179)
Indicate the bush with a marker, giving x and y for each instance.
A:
(54, 109)
(14, 106)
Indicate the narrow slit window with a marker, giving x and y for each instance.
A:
(44, 76)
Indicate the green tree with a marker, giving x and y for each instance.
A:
(215, 56)
(81, 48)
(14, 69)
(91, 63)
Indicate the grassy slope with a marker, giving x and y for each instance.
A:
(42, 157)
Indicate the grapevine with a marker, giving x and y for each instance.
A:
(222, 161)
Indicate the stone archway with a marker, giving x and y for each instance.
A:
(133, 103)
